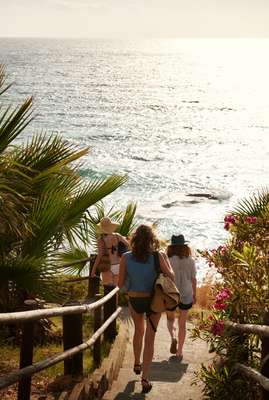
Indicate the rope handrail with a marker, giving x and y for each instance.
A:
(261, 330)
(13, 377)
(23, 316)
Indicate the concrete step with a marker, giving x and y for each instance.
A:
(171, 379)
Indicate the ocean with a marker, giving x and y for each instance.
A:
(186, 119)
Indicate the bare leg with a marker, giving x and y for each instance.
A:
(181, 330)
(107, 277)
(172, 330)
(149, 344)
(115, 279)
(170, 324)
(139, 325)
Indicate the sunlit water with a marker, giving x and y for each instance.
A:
(178, 116)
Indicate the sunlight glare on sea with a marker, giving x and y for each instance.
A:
(181, 117)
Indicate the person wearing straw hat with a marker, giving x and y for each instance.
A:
(180, 257)
(108, 241)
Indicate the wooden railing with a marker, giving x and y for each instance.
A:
(73, 345)
(262, 377)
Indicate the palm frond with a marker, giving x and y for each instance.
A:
(78, 225)
(30, 274)
(47, 216)
(255, 206)
(48, 154)
(3, 87)
(70, 256)
(128, 224)
(92, 193)
(13, 122)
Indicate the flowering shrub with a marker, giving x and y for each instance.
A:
(222, 383)
(240, 295)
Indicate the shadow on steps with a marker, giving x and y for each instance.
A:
(167, 371)
(128, 393)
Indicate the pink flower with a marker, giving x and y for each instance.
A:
(217, 328)
(226, 226)
(221, 297)
(231, 219)
(250, 220)
(224, 294)
(220, 306)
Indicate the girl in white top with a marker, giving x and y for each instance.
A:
(183, 265)
(110, 240)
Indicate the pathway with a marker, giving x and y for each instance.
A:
(171, 380)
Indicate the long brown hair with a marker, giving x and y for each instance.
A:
(182, 251)
(143, 243)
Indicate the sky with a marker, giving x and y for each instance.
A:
(132, 18)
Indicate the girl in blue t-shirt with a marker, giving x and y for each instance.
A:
(137, 274)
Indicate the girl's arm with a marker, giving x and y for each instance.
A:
(122, 272)
(166, 266)
(98, 258)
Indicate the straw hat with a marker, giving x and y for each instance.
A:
(107, 226)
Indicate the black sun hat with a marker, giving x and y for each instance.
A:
(178, 240)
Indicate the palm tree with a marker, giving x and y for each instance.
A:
(44, 205)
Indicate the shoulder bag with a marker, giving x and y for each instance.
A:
(165, 294)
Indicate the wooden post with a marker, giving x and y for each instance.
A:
(93, 286)
(96, 326)
(26, 352)
(109, 307)
(265, 356)
(72, 336)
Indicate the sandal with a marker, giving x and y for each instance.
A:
(146, 385)
(173, 347)
(137, 369)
